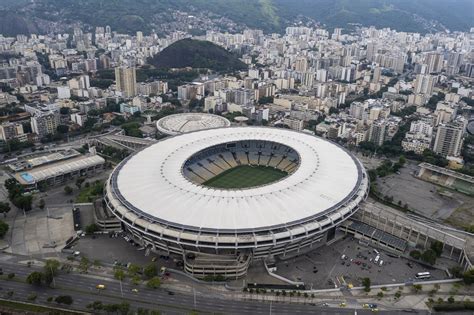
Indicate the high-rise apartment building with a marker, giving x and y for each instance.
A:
(448, 141)
(377, 74)
(301, 64)
(434, 61)
(377, 132)
(126, 81)
(424, 84)
(45, 123)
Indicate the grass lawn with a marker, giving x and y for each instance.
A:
(245, 176)
(90, 193)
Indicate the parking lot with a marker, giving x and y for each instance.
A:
(422, 197)
(110, 250)
(324, 268)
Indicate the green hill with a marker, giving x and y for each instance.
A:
(12, 24)
(129, 16)
(197, 54)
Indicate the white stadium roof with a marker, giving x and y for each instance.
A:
(187, 122)
(152, 183)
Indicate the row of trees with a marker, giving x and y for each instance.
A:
(149, 273)
(120, 308)
(50, 270)
(430, 255)
(467, 276)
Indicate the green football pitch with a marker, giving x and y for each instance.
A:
(245, 176)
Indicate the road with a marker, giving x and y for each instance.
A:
(82, 288)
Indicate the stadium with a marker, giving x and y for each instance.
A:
(222, 198)
(176, 124)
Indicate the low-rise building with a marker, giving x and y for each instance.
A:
(59, 172)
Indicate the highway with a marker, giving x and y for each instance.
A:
(82, 288)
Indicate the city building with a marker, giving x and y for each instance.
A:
(11, 130)
(59, 172)
(130, 109)
(191, 91)
(377, 132)
(293, 123)
(424, 84)
(126, 81)
(448, 141)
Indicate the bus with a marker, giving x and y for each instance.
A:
(423, 275)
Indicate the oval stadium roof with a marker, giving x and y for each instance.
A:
(188, 122)
(152, 183)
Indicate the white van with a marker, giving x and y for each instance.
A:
(376, 260)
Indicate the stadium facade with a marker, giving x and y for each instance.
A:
(161, 196)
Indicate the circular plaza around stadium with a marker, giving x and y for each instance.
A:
(220, 198)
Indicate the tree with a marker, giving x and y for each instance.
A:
(119, 274)
(133, 269)
(417, 288)
(153, 283)
(68, 190)
(4, 208)
(41, 204)
(23, 202)
(333, 110)
(415, 254)
(84, 264)
(265, 100)
(429, 256)
(92, 228)
(437, 247)
(63, 299)
(62, 129)
(150, 271)
(366, 284)
(64, 110)
(468, 276)
(110, 308)
(96, 306)
(3, 228)
(123, 308)
(52, 265)
(34, 278)
(402, 160)
(50, 270)
(79, 182)
(136, 279)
